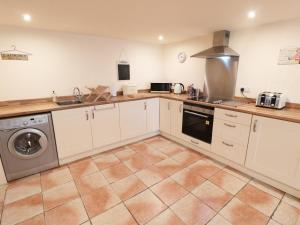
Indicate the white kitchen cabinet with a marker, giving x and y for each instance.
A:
(165, 115)
(171, 117)
(2, 174)
(105, 125)
(133, 119)
(72, 131)
(274, 150)
(152, 115)
(176, 118)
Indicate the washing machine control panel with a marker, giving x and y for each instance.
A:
(26, 121)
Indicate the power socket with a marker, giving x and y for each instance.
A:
(244, 90)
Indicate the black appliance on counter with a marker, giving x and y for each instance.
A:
(160, 87)
(198, 121)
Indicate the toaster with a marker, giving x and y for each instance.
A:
(271, 100)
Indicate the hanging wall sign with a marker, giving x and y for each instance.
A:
(289, 56)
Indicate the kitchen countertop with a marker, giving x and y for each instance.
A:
(288, 114)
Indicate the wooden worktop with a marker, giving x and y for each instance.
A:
(288, 114)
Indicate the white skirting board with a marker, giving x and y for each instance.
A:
(260, 177)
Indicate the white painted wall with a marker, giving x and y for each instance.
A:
(258, 69)
(62, 61)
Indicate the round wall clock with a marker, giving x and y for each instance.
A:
(181, 57)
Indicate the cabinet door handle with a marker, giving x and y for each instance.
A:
(230, 115)
(145, 105)
(168, 105)
(229, 145)
(93, 113)
(86, 115)
(254, 126)
(180, 108)
(194, 142)
(229, 125)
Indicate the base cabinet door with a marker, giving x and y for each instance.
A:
(274, 150)
(72, 131)
(105, 125)
(152, 115)
(133, 119)
(165, 115)
(176, 118)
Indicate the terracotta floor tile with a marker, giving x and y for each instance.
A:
(138, 162)
(140, 147)
(228, 182)
(188, 179)
(71, 213)
(287, 214)
(128, 187)
(116, 172)
(158, 142)
(212, 195)
(273, 222)
(59, 195)
(237, 174)
(205, 168)
(55, 177)
(258, 199)
(169, 191)
(169, 166)
(21, 210)
(118, 215)
(83, 168)
(116, 150)
(91, 182)
(219, 220)
(145, 206)
(239, 213)
(100, 200)
(37, 220)
(86, 223)
(104, 161)
(267, 188)
(23, 188)
(154, 156)
(167, 217)
(192, 211)
(172, 149)
(2, 193)
(125, 154)
(151, 175)
(187, 158)
(291, 200)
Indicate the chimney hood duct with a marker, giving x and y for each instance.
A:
(220, 47)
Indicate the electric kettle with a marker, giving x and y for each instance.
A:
(178, 88)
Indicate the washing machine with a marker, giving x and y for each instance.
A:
(27, 145)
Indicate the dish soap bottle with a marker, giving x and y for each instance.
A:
(54, 98)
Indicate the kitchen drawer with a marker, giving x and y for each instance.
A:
(229, 150)
(196, 142)
(232, 131)
(232, 116)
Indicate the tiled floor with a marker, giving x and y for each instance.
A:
(152, 182)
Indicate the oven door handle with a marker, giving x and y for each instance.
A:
(196, 114)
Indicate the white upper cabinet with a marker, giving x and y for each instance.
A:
(133, 119)
(274, 150)
(72, 131)
(105, 124)
(176, 118)
(165, 115)
(153, 115)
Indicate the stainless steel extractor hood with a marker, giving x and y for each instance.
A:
(220, 46)
(221, 69)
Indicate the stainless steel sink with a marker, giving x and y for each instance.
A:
(69, 102)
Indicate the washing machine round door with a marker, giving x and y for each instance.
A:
(28, 143)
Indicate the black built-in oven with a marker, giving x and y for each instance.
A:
(198, 121)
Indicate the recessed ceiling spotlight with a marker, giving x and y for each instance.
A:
(251, 14)
(27, 17)
(160, 37)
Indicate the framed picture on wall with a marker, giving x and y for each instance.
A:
(123, 71)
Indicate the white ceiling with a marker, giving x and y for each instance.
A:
(144, 20)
